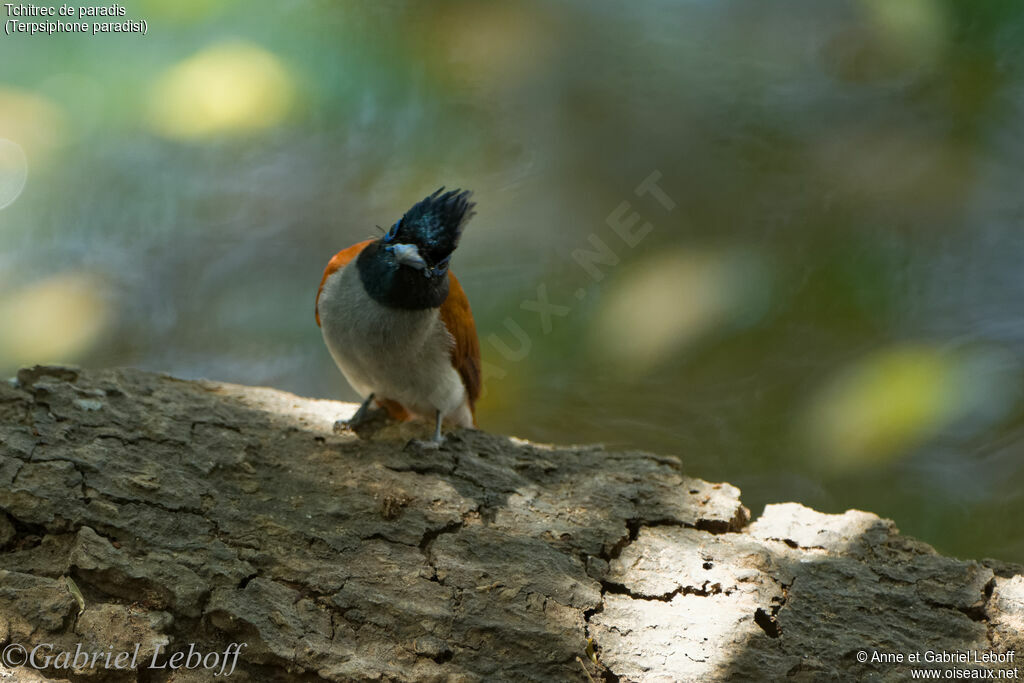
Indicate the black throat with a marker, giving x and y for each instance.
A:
(395, 286)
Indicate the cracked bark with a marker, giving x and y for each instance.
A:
(197, 512)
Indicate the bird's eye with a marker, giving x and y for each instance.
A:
(442, 265)
(390, 236)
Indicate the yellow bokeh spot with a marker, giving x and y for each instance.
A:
(918, 27)
(490, 44)
(228, 88)
(36, 124)
(663, 304)
(886, 405)
(56, 320)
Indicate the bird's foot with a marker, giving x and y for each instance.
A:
(364, 424)
(434, 443)
(424, 444)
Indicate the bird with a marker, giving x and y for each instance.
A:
(398, 323)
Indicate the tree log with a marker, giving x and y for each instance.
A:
(136, 508)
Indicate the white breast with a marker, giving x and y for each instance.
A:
(392, 353)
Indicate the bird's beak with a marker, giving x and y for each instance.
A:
(409, 255)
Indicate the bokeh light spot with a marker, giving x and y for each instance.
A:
(891, 402)
(490, 44)
(917, 27)
(36, 124)
(56, 320)
(231, 87)
(13, 172)
(669, 301)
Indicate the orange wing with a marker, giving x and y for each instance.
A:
(458, 319)
(337, 262)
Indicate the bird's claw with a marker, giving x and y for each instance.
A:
(424, 445)
(342, 426)
(364, 423)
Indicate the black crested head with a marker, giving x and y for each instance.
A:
(435, 224)
(407, 267)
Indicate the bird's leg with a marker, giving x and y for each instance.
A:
(435, 442)
(361, 417)
(437, 429)
(363, 410)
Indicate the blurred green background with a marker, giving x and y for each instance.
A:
(831, 312)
